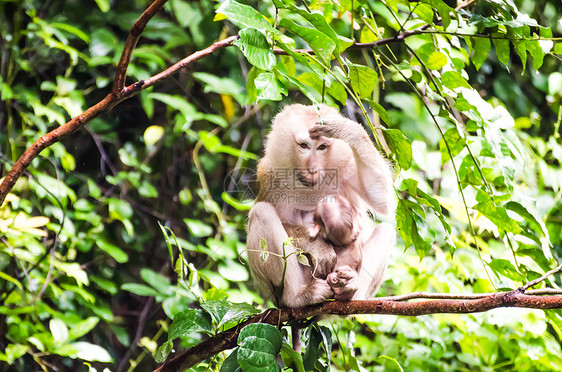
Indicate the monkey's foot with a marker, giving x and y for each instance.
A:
(344, 282)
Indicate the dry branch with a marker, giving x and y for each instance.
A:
(227, 340)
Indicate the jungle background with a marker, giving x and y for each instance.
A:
(137, 220)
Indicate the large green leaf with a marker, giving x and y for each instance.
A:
(223, 311)
(269, 87)
(320, 43)
(319, 22)
(498, 215)
(481, 51)
(259, 346)
(230, 364)
(443, 10)
(244, 16)
(188, 322)
(363, 79)
(400, 146)
(256, 48)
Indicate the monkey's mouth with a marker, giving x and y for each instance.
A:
(305, 181)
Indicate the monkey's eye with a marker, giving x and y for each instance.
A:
(322, 147)
(304, 145)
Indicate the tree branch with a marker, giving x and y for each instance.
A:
(105, 105)
(227, 339)
(131, 42)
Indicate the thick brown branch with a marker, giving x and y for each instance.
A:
(131, 43)
(110, 101)
(226, 340)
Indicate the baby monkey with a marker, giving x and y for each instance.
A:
(332, 246)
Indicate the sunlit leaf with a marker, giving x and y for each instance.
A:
(244, 16)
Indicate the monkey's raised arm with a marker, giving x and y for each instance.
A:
(373, 171)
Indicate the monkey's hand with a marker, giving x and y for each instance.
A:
(344, 281)
(345, 130)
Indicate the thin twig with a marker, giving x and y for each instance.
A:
(538, 280)
(462, 296)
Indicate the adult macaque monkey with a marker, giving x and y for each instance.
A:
(305, 165)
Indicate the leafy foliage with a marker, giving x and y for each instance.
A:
(128, 229)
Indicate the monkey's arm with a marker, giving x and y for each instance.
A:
(373, 171)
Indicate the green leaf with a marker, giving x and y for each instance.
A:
(157, 281)
(529, 217)
(455, 143)
(152, 134)
(177, 102)
(230, 364)
(435, 60)
(363, 80)
(58, 330)
(81, 328)
(140, 289)
(498, 215)
(443, 10)
(320, 43)
(303, 88)
(239, 205)
(268, 87)
(163, 351)
(117, 253)
(244, 16)
(13, 352)
(103, 5)
(312, 351)
(102, 43)
(189, 321)
(401, 147)
(502, 48)
(506, 268)
(319, 22)
(259, 345)
(536, 52)
(558, 48)
(452, 80)
(10, 279)
(85, 351)
(198, 228)
(223, 311)
(256, 49)
(421, 235)
(521, 50)
(481, 49)
(404, 222)
(291, 358)
(383, 114)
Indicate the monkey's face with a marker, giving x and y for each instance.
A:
(311, 157)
